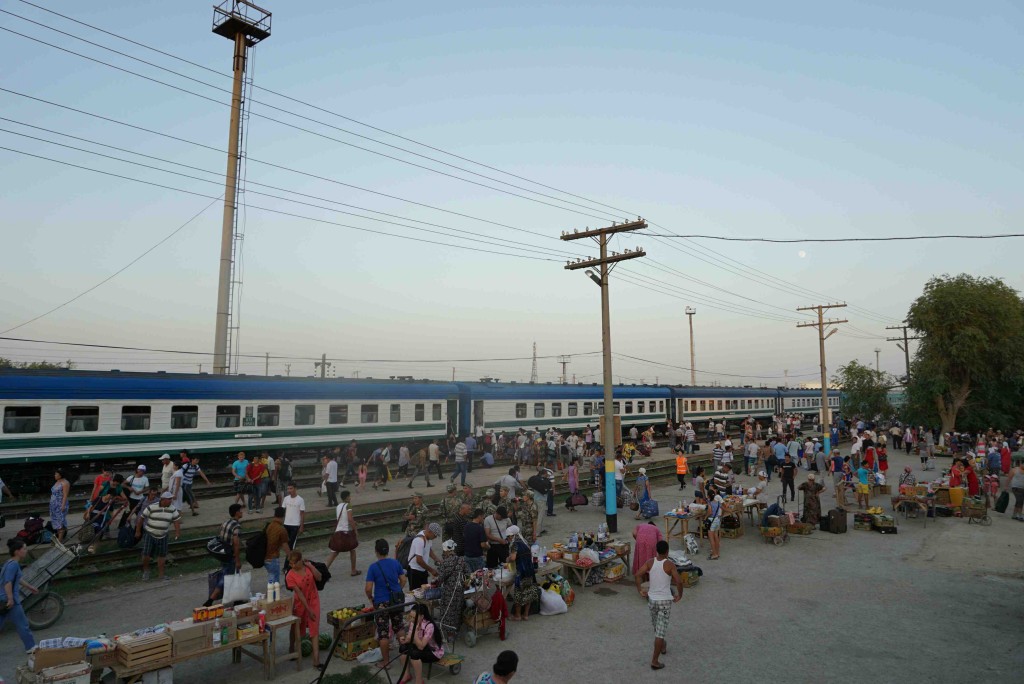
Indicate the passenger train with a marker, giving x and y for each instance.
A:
(83, 416)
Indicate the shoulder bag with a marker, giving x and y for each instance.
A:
(342, 541)
(397, 596)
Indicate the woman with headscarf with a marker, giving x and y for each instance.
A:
(573, 478)
(907, 478)
(450, 574)
(971, 477)
(526, 590)
(647, 536)
(642, 491)
(812, 504)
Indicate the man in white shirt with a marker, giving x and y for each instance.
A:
(633, 433)
(691, 438)
(420, 555)
(434, 458)
(175, 488)
(294, 514)
(460, 463)
(597, 435)
(620, 474)
(330, 478)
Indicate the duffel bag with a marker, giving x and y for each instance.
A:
(126, 538)
(649, 508)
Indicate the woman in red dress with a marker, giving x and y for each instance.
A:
(973, 486)
(302, 579)
(883, 459)
(956, 474)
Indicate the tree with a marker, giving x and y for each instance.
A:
(865, 391)
(972, 348)
(33, 365)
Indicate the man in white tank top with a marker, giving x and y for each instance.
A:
(663, 576)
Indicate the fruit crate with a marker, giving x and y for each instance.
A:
(150, 649)
(734, 533)
(800, 528)
(351, 651)
(689, 578)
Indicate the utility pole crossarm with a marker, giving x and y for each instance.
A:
(826, 322)
(639, 224)
(614, 258)
(905, 347)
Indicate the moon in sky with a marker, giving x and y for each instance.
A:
(801, 254)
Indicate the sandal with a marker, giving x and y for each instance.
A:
(659, 666)
(354, 573)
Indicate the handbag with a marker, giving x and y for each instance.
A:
(343, 540)
(237, 587)
(397, 597)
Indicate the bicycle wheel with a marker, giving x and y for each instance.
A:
(45, 610)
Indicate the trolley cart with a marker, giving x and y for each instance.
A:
(976, 511)
(775, 533)
(43, 609)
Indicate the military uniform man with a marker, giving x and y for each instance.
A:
(467, 496)
(526, 517)
(416, 515)
(449, 509)
(487, 503)
(505, 500)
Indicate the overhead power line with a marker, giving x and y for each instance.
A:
(993, 236)
(733, 375)
(326, 111)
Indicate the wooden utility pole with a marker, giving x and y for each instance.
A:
(821, 324)
(905, 347)
(605, 263)
(266, 365)
(323, 364)
(690, 311)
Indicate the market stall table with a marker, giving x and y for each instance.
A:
(580, 574)
(672, 521)
(131, 675)
(904, 503)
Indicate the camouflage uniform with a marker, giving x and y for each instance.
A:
(526, 517)
(419, 522)
(449, 509)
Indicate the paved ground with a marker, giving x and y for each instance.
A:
(939, 603)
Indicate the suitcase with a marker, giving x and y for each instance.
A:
(823, 523)
(837, 521)
(1002, 502)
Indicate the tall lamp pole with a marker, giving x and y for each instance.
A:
(605, 263)
(690, 311)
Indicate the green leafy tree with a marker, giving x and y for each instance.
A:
(865, 391)
(33, 365)
(970, 359)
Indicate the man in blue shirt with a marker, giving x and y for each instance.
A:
(238, 469)
(470, 450)
(384, 587)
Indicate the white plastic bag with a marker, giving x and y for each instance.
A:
(552, 603)
(237, 587)
(371, 656)
(591, 554)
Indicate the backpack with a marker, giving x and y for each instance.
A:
(539, 483)
(402, 551)
(256, 549)
(325, 574)
(215, 547)
(32, 531)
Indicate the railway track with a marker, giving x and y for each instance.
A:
(118, 561)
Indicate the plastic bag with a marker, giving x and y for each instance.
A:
(591, 554)
(551, 603)
(237, 587)
(371, 656)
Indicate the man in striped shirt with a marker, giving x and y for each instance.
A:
(460, 463)
(157, 519)
(189, 471)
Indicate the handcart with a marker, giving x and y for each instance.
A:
(774, 524)
(97, 523)
(43, 609)
(976, 511)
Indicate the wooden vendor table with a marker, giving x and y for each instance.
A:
(680, 521)
(131, 675)
(580, 574)
(905, 503)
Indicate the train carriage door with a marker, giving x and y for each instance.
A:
(478, 414)
(452, 416)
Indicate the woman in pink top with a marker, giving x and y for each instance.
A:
(647, 536)
(573, 478)
(420, 643)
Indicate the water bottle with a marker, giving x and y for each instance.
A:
(216, 633)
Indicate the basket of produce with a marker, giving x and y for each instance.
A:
(771, 532)
(800, 528)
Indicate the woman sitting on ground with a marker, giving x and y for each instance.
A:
(526, 589)
(420, 643)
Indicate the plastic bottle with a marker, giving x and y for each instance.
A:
(270, 591)
(216, 633)
(277, 591)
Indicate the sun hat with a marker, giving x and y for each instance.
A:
(165, 457)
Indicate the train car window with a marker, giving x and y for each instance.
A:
(600, 408)
(135, 417)
(538, 410)
(556, 409)
(338, 414)
(436, 413)
(639, 407)
(368, 413)
(616, 408)
(419, 414)
(574, 408)
(396, 413)
(650, 407)
(305, 414)
(22, 419)
(629, 407)
(82, 419)
(588, 408)
(229, 416)
(184, 417)
(661, 406)
(268, 415)
(520, 410)
(719, 404)
(703, 405)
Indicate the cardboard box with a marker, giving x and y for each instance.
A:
(277, 609)
(73, 673)
(52, 657)
(244, 611)
(103, 660)
(188, 630)
(350, 651)
(183, 647)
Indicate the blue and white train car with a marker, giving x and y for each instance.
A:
(69, 415)
(722, 404)
(805, 402)
(510, 406)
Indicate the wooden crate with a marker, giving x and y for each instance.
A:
(478, 621)
(800, 528)
(151, 649)
(350, 651)
(689, 578)
(734, 533)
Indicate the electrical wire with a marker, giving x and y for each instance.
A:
(862, 239)
(732, 375)
(117, 272)
(326, 111)
(285, 213)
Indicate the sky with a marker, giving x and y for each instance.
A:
(792, 120)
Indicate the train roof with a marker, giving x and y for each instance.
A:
(70, 384)
(527, 390)
(814, 392)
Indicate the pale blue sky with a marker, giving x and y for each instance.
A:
(786, 120)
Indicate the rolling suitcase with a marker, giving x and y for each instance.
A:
(837, 521)
(1002, 502)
